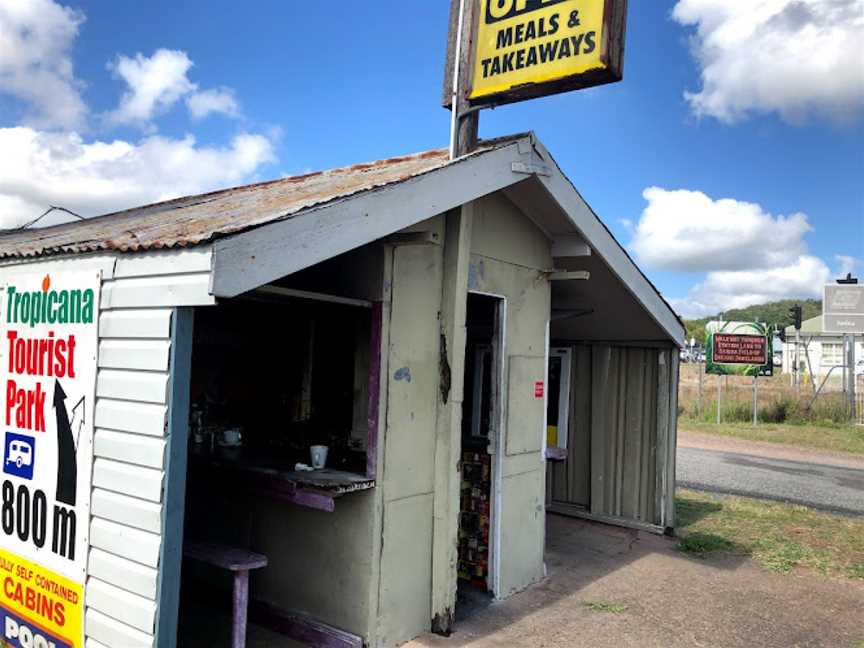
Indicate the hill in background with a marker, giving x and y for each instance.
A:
(776, 313)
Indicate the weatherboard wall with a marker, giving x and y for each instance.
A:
(139, 295)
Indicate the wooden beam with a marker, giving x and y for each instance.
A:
(567, 313)
(445, 503)
(570, 246)
(373, 407)
(279, 291)
(572, 510)
(174, 498)
(301, 627)
(570, 275)
(413, 238)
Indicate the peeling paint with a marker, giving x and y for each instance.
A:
(476, 274)
(403, 374)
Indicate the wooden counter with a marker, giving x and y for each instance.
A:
(268, 473)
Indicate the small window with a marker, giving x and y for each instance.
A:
(558, 403)
(832, 354)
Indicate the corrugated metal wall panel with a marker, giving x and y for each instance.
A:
(611, 470)
(568, 481)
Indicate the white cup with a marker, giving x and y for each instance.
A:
(318, 455)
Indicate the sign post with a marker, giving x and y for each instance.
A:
(719, 396)
(739, 348)
(755, 401)
(464, 122)
(843, 312)
(503, 51)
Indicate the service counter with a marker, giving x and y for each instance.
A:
(269, 473)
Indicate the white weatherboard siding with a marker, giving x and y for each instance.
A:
(131, 434)
(139, 293)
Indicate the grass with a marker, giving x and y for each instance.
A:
(604, 606)
(839, 438)
(780, 537)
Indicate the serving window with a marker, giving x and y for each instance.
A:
(280, 396)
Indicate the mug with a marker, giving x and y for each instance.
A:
(231, 437)
(318, 455)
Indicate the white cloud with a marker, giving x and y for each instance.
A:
(748, 256)
(690, 232)
(217, 100)
(155, 84)
(39, 169)
(846, 264)
(793, 57)
(721, 291)
(46, 161)
(36, 37)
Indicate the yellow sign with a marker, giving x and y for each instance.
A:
(38, 607)
(531, 42)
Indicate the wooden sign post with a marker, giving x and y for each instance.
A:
(465, 121)
(503, 51)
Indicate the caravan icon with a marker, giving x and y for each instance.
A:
(19, 455)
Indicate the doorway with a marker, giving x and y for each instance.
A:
(481, 414)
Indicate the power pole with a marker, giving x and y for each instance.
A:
(798, 361)
(849, 360)
(465, 120)
(795, 315)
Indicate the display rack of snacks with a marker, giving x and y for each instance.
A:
(474, 518)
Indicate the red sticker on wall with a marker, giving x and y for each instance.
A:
(538, 389)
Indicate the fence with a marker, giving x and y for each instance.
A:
(859, 402)
(776, 400)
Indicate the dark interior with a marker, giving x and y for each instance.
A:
(477, 417)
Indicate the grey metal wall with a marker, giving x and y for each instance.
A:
(618, 438)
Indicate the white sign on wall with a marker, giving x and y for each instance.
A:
(48, 359)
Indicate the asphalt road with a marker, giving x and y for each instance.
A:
(830, 488)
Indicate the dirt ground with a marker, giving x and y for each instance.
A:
(661, 598)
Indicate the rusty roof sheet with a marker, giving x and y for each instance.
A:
(197, 219)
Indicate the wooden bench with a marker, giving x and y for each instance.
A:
(238, 561)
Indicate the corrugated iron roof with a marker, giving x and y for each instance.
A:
(197, 219)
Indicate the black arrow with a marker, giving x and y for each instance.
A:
(67, 461)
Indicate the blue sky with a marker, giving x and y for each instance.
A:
(758, 177)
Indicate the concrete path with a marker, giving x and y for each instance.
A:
(827, 481)
(617, 588)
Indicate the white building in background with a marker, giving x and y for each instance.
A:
(825, 350)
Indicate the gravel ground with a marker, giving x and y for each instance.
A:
(814, 483)
(616, 588)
